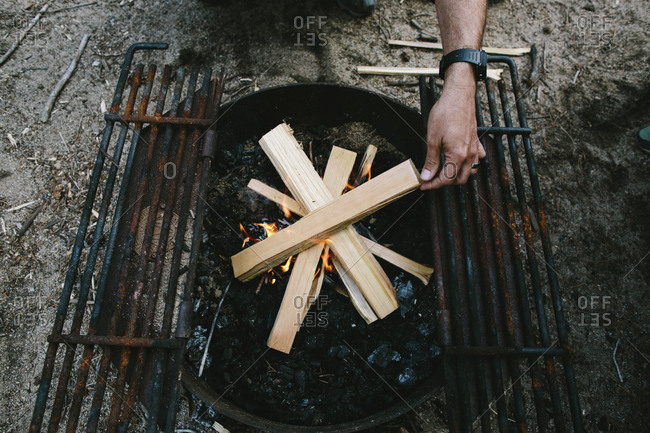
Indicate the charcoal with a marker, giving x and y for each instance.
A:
(407, 378)
(405, 294)
(383, 355)
(426, 328)
(338, 351)
(299, 377)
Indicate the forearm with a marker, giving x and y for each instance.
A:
(461, 23)
(461, 26)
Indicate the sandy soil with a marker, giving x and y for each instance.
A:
(594, 96)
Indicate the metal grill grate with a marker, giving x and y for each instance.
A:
(148, 199)
(504, 355)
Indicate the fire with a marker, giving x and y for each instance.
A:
(327, 263)
(285, 209)
(287, 265)
(247, 238)
(366, 174)
(271, 228)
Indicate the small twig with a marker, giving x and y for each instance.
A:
(575, 77)
(616, 363)
(28, 223)
(214, 322)
(22, 35)
(64, 80)
(423, 35)
(64, 143)
(71, 7)
(535, 65)
(20, 206)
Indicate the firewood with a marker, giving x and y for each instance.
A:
(438, 46)
(494, 74)
(276, 196)
(422, 272)
(292, 310)
(298, 295)
(364, 166)
(338, 169)
(418, 270)
(316, 284)
(337, 173)
(323, 222)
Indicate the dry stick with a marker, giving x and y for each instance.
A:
(214, 322)
(20, 206)
(30, 220)
(438, 46)
(64, 80)
(495, 74)
(72, 7)
(22, 35)
(418, 270)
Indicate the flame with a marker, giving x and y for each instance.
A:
(327, 263)
(285, 209)
(287, 265)
(248, 237)
(271, 228)
(366, 173)
(273, 281)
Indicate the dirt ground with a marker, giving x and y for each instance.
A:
(594, 96)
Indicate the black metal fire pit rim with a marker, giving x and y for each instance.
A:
(200, 389)
(323, 104)
(326, 104)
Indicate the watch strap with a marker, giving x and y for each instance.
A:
(478, 58)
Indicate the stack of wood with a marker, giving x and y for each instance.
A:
(327, 220)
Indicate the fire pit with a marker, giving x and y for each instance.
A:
(341, 373)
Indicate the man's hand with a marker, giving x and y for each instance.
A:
(452, 130)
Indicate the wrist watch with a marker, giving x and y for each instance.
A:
(478, 58)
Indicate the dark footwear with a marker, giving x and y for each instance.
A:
(643, 139)
(358, 8)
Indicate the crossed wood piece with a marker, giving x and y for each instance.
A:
(327, 223)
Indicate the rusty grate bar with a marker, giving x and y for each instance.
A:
(144, 209)
(502, 351)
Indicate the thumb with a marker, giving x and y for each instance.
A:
(432, 161)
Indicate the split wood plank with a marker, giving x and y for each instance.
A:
(316, 285)
(422, 272)
(338, 169)
(290, 315)
(336, 177)
(438, 46)
(418, 270)
(363, 172)
(298, 294)
(494, 74)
